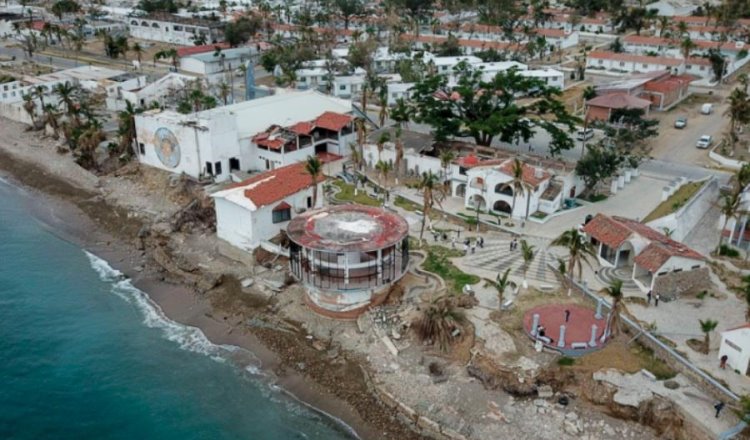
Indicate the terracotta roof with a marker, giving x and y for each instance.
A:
(739, 327)
(266, 140)
(193, 50)
(700, 61)
(633, 58)
(282, 206)
(554, 33)
(607, 230)
(467, 161)
(614, 231)
(302, 128)
(650, 41)
(531, 174)
(275, 185)
(618, 100)
(668, 84)
(332, 121)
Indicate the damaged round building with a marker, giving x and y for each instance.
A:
(347, 257)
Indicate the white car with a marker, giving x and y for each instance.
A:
(704, 141)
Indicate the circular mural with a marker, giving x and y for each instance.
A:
(167, 147)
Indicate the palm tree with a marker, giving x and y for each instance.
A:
(618, 307)
(501, 283)
(401, 113)
(446, 158)
(383, 168)
(356, 158)
(383, 103)
(66, 93)
(224, 91)
(384, 137)
(30, 107)
(729, 206)
(137, 50)
(707, 327)
(170, 54)
(428, 185)
(579, 249)
(518, 184)
(438, 322)
(738, 112)
(687, 46)
(664, 25)
(528, 254)
(50, 117)
(360, 124)
(126, 130)
(39, 92)
(314, 168)
(399, 153)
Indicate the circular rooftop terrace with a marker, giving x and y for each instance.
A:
(347, 228)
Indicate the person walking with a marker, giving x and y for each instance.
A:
(648, 297)
(453, 243)
(656, 300)
(567, 315)
(481, 242)
(466, 248)
(473, 247)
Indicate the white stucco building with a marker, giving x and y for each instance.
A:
(735, 345)
(260, 207)
(170, 28)
(260, 134)
(218, 64)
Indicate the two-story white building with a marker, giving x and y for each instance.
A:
(216, 65)
(259, 134)
(260, 207)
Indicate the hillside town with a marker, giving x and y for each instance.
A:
(512, 218)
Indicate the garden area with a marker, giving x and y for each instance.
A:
(345, 194)
(675, 201)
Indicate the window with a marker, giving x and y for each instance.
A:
(209, 169)
(217, 168)
(141, 148)
(601, 62)
(645, 66)
(677, 270)
(622, 64)
(282, 213)
(234, 164)
(342, 87)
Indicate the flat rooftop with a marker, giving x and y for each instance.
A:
(347, 228)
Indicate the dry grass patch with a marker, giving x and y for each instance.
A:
(629, 358)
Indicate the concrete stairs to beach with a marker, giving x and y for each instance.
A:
(496, 256)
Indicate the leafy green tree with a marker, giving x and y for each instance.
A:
(241, 30)
(616, 46)
(62, 7)
(738, 111)
(150, 6)
(597, 164)
(450, 47)
(628, 129)
(170, 54)
(718, 63)
(348, 9)
(488, 109)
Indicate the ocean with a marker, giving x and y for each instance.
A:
(85, 355)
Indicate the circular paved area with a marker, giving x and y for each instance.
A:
(577, 328)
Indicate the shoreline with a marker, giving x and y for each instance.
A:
(67, 210)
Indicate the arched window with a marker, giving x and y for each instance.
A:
(504, 188)
(134, 23)
(155, 25)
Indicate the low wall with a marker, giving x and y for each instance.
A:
(682, 221)
(672, 285)
(725, 161)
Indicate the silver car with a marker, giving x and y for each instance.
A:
(704, 141)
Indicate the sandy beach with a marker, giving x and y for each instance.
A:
(69, 201)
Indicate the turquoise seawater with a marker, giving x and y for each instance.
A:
(85, 355)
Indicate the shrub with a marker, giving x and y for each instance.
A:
(566, 361)
(728, 251)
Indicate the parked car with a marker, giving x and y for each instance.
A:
(707, 109)
(704, 141)
(680, 122)
(584, 135)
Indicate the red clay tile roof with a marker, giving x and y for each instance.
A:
(607, 230)
(265, 140)
(618, 100)
(332, 121)
(669, 84)
(281, 206)
(194, 50)
(614, 231)
(302, 128)
(272, 186)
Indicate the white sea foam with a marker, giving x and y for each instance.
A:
(192, 338)
(187, 337)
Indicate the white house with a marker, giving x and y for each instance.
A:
(259, 134)
(260, 207)
(216, 65)
(735, 345)
(658, 263)
(552, 77)
(671, 8)
(169, 28)
(632, 63)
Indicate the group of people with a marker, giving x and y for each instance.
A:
(472, 245)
